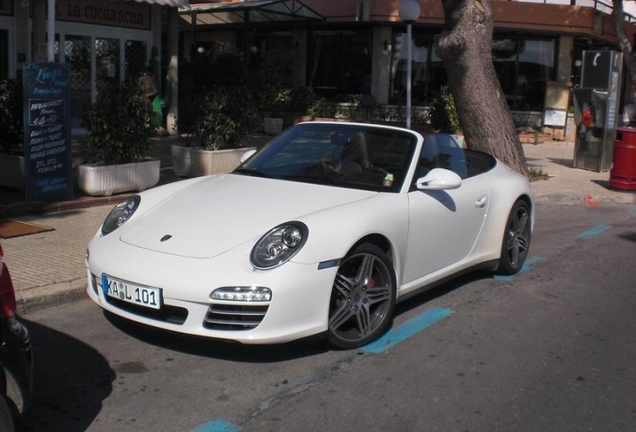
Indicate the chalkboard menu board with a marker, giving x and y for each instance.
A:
(47, 150)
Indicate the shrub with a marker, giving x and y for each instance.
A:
(227, 114)
(443, 115)
(119, 125)
(298, 100)
(274, 79)
(216, 100)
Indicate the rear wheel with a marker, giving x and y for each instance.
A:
(362, 298)
(516, 241)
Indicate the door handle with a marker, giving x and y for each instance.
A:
(481, 201)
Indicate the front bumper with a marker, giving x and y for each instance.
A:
(298, 307)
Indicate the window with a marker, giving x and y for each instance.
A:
(136, 62)
(427, 70)
(441, 151)
(107, 58)
(4, 54)
(524, 66)
(340, 62)
(77, 54)
(342, 155)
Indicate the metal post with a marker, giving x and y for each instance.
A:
(51, 31)
(409, 11)
(408, 76)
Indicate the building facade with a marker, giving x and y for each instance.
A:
(337, 47)
(359, 46)
(101, 41)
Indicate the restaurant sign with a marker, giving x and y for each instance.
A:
(47, 133)
(119, 14)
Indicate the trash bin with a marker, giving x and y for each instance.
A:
(623, 172)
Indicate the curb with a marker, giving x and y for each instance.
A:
(38, 208)
(584, 198)
(43, 297)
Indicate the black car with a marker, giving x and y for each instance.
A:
(16, 356)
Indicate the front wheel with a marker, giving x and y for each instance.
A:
(362, 298)
(516, 241)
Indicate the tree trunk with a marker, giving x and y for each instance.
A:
(465, 47)
(624, 42)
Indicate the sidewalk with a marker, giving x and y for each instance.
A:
(567, 184)
(48, 267)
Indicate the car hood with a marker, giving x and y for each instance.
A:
(212, 216)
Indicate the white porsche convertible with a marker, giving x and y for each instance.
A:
(319, 232)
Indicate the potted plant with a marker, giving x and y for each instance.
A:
(227, 115)
(12, 136)
(120, 133)
(217, 113)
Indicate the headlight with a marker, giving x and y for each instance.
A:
(279, 245)
(120, 214)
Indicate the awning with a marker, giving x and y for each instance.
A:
(257, 11)
(175, 3)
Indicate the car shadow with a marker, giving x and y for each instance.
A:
(71, 380)
(441, 290)
(219, 349)
(234, 351)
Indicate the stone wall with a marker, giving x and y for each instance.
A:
(534, 120)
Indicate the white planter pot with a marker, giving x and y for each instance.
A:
(12, 172)
(105, 180)
(208, 162)
(272, 126)
(181, 160)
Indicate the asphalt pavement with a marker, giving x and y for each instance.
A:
(48, 267)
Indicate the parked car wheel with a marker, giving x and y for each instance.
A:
(516, 241)
(362, 299)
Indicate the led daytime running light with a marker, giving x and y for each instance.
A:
(245, 294)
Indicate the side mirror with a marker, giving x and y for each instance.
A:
(439, 179)
(247, 155)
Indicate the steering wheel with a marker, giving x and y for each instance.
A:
(330, 167)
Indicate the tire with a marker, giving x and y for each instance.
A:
(516, 240)
(6, 417)
(362, 298)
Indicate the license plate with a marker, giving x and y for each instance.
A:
(131, 293)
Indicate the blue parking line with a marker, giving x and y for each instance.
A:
(393, 337)
(407, 329)
(216, 426)
(530, 263)
(632, 213)
(599, 229)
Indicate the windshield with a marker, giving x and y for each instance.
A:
(344, 155)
